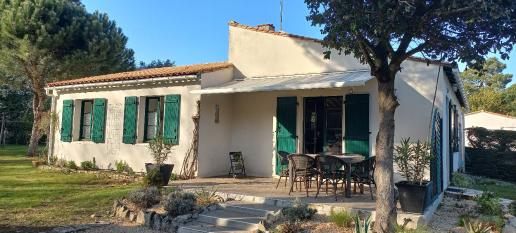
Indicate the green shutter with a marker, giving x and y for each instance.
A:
(66, 121)
(286, 137)
(130, 116)
(99, 120)
(356, 135)
(171, 119)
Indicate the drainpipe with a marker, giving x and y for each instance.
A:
(51, 133)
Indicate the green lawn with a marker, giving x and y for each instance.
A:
(33, 199)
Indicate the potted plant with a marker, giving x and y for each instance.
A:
(160, 151)
(412, 160)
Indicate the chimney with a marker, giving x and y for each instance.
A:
(266, 27)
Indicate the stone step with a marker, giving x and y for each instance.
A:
(250, 208)
(247, 221)
(202, 227)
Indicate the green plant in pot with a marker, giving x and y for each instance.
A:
(160, 151)
(413, 158)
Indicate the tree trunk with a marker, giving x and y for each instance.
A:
(385, 194)
(38, 101)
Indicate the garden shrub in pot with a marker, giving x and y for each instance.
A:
(412, 160)
(160, 151)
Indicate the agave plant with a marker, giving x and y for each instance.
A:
(208, 197)
(476, 227)
(362, 227)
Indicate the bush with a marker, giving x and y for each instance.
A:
(497, 140)
(122, 166)
(71, 164)
(476, 227)
(144, 198)
(89, 165)
(179, 203)
(412, 159)
(492, 164)
(153, 178)
(342, 218)
(289, 227)
(206, 198)
(489, 204)
(495, 221)
(461, 180)
(298, 212)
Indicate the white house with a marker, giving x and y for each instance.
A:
(275, 92)
(489, 120)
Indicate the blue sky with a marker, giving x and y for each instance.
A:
(196, 31)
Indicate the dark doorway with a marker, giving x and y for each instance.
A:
(322, 124)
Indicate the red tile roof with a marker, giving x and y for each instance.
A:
(284, 34)
(147, 73)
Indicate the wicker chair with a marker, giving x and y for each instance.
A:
(330, 171)
(283, 159)
(303, 170)
(364, 174)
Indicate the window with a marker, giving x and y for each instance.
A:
(153, 117)
(86, 119)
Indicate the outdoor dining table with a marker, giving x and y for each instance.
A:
(347, 159)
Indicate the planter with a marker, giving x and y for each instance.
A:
(164, 169)
(414, 198)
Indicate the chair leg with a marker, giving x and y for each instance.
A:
(371, 190)
(286, 179)
(319, 187)
(326, 187)
(278, 182)
(307, 183)
(292, 185)
(335, 189)
(354, 186)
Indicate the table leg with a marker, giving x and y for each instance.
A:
(348, 181)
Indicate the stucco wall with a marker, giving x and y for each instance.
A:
(490, 121)
(113, 149)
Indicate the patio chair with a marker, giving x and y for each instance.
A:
(330, 171)
(363, 173)
(237, 167)
(303, 170)
(283, 159)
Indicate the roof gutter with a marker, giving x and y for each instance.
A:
(175, 79)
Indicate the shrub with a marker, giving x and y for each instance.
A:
(298, 212)
(71, 164)
(495, 221)
(160, 149)
(489, 204)
(153, 178)
(461, 180)
(492, 164)
(52, 160)
(412, 159)
(476, 227)
(206, 198)
(463, 219)
(122, 166)
(89, 165)
(289, 227)
(341, 218)
(179, 203)
(144, 198)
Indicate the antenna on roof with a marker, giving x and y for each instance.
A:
(281, 16)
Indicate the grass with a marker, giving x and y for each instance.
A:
(33, 199)
(342, 218)
(500, 188)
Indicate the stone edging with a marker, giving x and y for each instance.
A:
(157, 221)
(109, 173)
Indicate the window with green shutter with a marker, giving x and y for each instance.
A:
(99, 120)
(86, 119)
(67, 121)
(171, 119)
(153, 117)
(130, 119)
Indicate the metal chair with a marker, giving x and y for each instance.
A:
(329, 169)
(237, 168)
(283, 159)
(302, 170)
(364, 174)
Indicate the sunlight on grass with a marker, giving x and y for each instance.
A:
(34, 197)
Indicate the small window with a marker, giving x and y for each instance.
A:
(86, 119)
(153, 117)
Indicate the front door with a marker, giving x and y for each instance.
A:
(322, 124)
(286, 137)
(356, 137)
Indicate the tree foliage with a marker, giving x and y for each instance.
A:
(49, 40)
(384, 33)
(156, 64)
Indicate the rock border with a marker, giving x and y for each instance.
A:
(112, 174)
(158, 221)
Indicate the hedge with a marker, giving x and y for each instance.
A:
(491, 163)
(498, 140)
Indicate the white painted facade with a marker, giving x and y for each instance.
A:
(247, 120)
(490, 120)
